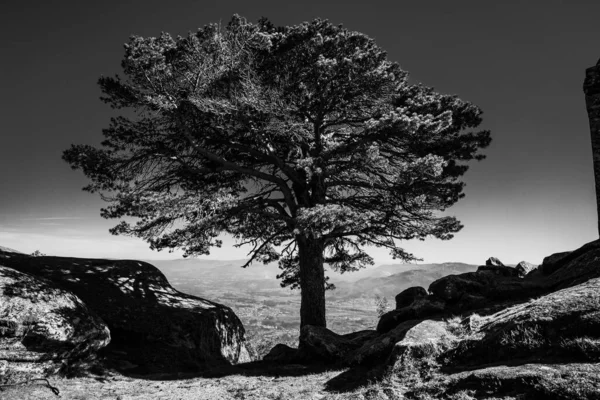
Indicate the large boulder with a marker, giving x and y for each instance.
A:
(476, 289)
(561, 325)
(493, 262)
(320, 344)
(407, 296)
(452, 287)
(524, 268)
(408, 334)
(420, 347)
(43, 328)
(153, 326)
(420, 308)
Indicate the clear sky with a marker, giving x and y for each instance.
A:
(522, 62)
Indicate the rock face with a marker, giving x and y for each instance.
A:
(43, 328)
(152, 325)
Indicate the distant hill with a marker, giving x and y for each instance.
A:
(390, 285)
(384, 280)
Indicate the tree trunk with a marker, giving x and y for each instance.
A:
(312, 281)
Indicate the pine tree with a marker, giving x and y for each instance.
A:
(304, 142)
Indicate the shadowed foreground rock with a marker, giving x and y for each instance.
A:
(420, 308)
(43, 328)
(282, 353)
(152, 325)
(320, 344)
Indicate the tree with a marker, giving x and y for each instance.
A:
(302, 141)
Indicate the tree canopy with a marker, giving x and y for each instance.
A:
(303, 141)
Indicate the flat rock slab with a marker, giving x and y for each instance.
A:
(157, 327)
(43, 327)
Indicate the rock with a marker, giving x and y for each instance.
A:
(421, 344)
(452, 287)
(160, 328)
(578, 267)
(553, 262)
(410, 333)
(498, 270)
(456, 289)
(43, 328)
(407, 296)
(564, 324)
(556, 261)
(420, 308)
(524, 268)
(378, 348)
(572, 381)
(320, 344)
(493, 262)
(282, 353)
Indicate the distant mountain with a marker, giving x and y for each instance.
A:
(384, 280)
(390, 285)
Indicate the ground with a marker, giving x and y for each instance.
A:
(250, 382)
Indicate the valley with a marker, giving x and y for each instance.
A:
(270, 313)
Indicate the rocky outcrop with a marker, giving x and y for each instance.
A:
(563, 324)
(493, 262)
(524, 268)
(572, 381)
(556, 261)
(43, 328)
(574, 268)
(462, 290)
(153, 326)
(407, 296)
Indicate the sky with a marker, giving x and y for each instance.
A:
(521, 62)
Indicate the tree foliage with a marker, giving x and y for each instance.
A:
(297, 140)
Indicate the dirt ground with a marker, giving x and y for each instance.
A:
(290, 382)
